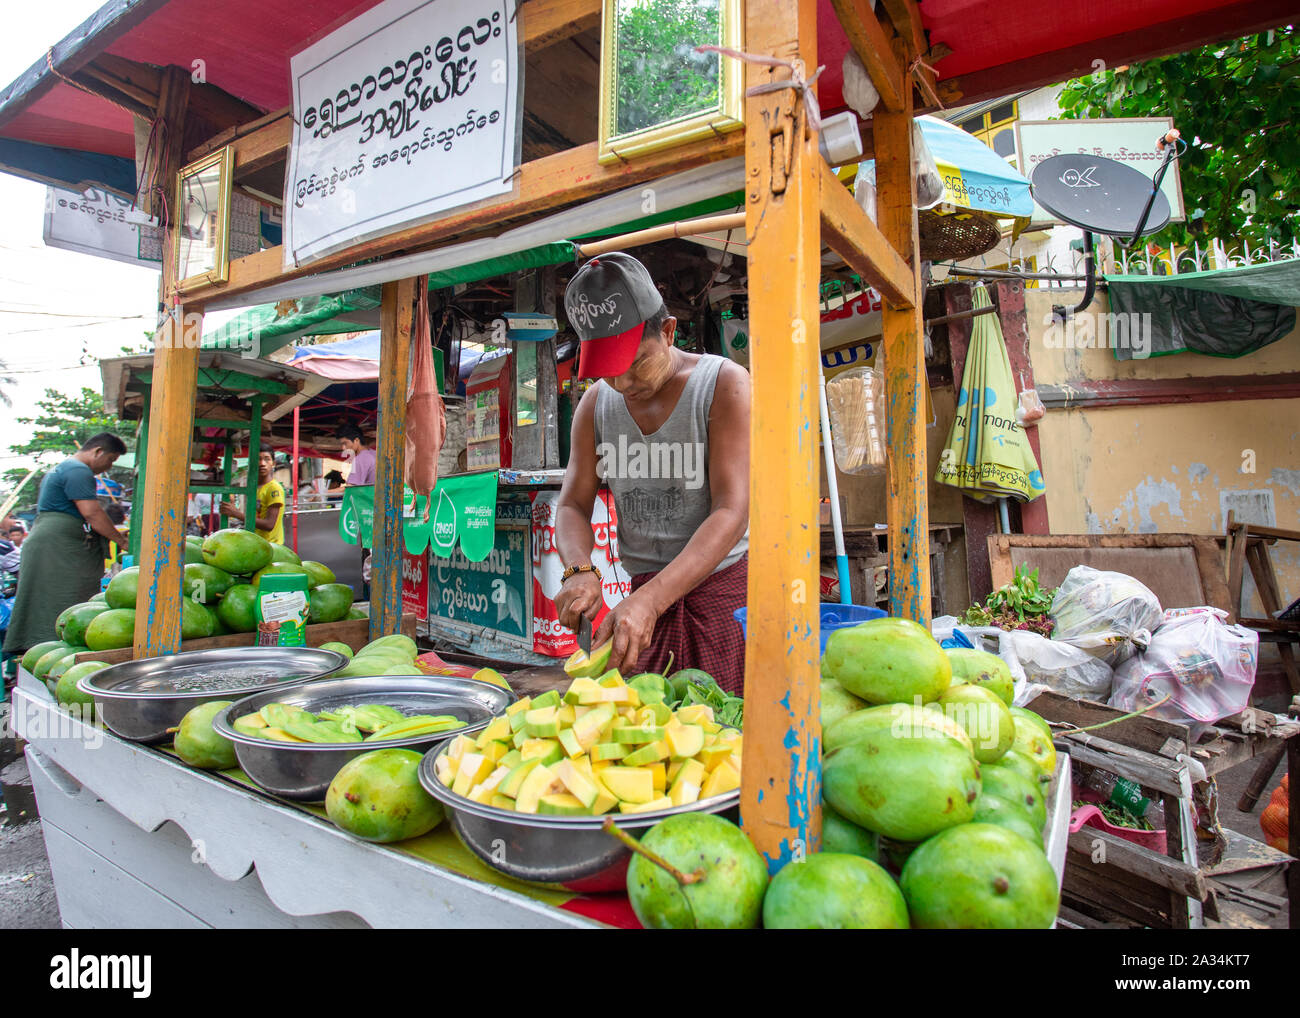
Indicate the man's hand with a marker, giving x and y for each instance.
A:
(580, 595)
(631, 623)
(229, 509)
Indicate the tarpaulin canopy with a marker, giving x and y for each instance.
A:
(1222, 312)
(267, 327)
(988, 455)
(974, 176)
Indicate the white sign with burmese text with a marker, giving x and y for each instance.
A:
(405, 112)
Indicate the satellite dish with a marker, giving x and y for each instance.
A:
(1100, 195)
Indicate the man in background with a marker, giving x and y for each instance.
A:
(63, 557)
(270, 501)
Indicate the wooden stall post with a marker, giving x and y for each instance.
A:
(171, 419)
(781, 778)
(397, 318)
(908, 511)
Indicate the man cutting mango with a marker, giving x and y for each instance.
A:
(668, 432)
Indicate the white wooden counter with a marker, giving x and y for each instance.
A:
(137, 839)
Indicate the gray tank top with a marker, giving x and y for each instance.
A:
(660, 482)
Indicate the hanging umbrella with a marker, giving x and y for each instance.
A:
(988, 454)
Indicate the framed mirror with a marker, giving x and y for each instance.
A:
(202, 220)
(655, 90)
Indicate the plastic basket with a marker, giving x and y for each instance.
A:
(834, 616)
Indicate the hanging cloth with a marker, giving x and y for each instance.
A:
(426, 417)
(988, 454)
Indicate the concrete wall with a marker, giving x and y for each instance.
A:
(1173, 467)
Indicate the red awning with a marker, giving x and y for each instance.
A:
(999, 47)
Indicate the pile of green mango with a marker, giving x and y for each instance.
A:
(932, 773)
(219, 587)
(365, 722)
(388, 655)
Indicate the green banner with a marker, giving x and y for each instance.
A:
(356, 521)
(463, 513)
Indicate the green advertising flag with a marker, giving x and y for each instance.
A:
(464, 513)
(357, 520)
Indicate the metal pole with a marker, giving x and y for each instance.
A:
(293, 478)
(833, 486)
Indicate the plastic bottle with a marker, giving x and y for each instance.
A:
(1127, 795)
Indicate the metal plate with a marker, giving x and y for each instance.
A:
(141, 699)
(570, 852)
(231, 671)
(1097, 194)
(303, 770)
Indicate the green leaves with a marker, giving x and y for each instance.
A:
(1235, 104)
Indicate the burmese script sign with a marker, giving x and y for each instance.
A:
(405, 112)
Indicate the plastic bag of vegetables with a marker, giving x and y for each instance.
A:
(1107, 615)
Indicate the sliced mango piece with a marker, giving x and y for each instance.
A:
(629, 784)
(646, 807)
(723, 778)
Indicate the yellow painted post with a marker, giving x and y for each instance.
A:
(397, 312)
(165, 488)
(781, 776)
(908, 509)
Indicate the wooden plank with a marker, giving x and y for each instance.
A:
(850, 232)
(1091, 394)
(908, 509)
(905, 16)
(1090, 885)
(543, 185)
(1174, 874)
(354, 632)
(1193, 577)
(397, 319)
(1144, 768)
(780, 795)
(871, 42)
(171, 417)
(1145, 733)
(547, 22)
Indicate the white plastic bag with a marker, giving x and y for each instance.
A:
(855, 402)
(1038, 663)
(929, 182)
(1205, 666)
(1108, 615)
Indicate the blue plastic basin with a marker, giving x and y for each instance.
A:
(834, 616)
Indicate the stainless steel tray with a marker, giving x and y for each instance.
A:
(139, 700)
(303, 770)
(565, 851)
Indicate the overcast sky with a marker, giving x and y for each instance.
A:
(58, 309)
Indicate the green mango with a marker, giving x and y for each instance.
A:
(52, 657)
(355, 613)
(395, 641)
(377, 796)
(994, 809)
(111, 630)
(198, 744)
(194, 552)
(237, 551)
(282, 553)
(78, 618)
(833, 891)
(36, 651)
(730, 895)
(198, 622)
(329, 602)
(980, 668)
(338, 648)
(905, 787)
(887, 661)
(1025, 767)
(845, 837)
(980, 876)
(318, 573)
(838, 702)
(237, 608)
(1006, 783)
(681, 677)
(898, 718)
(278, 569)
(99, 598)
(205, 580)
(66, 691)
(121, 589)
(984, 717)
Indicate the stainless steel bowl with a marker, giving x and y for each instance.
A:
(569, 852)
(141, 699)
(302, 771)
